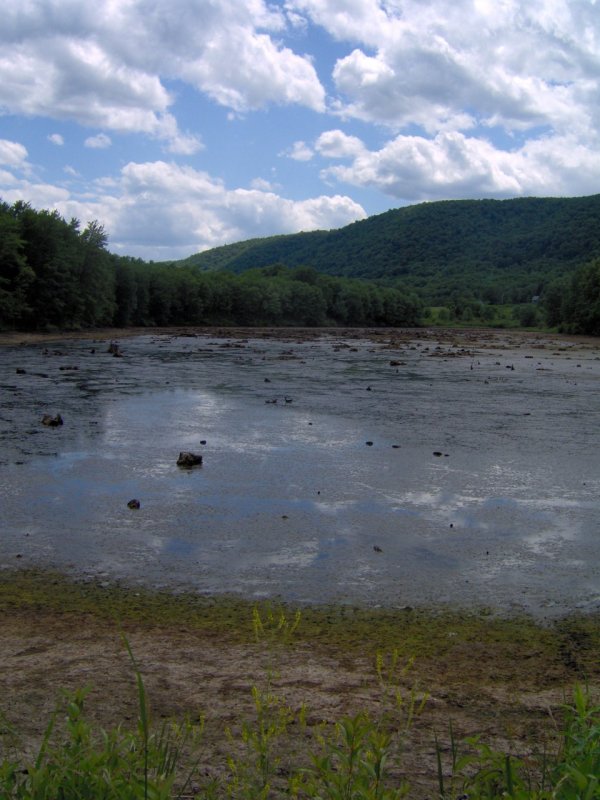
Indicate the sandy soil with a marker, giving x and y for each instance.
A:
(480, 689)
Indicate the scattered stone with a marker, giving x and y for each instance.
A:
(377, 548)
(395, 363)
(267, 380)
(21, 371)
(66, 368)
(396, 446)
(188, 460)
(202, 441)
(369, 444)
(369, 389)
(437, 453)
(115, 350)
(52, 422)
(133, 504)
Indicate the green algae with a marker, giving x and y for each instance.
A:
(495, 648)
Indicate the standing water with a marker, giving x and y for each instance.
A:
(387, 470)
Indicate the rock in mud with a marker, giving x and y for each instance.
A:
(52, 422)
(188, 460)
(115, 350)
(133, 504)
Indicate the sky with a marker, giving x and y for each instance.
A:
(182, 125)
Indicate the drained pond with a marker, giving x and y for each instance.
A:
(382, 469)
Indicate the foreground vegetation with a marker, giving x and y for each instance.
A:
(357, 757)
(275, 748)
(55, 276)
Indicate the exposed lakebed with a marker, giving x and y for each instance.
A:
(384, 469)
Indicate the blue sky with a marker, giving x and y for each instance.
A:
(182, 125)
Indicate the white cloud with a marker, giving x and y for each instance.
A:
(56, 139)
(69, 170)
(106, 65)
(160, 210)
(300, 151)
(99, 142)
(40, 195)
(512, 63)
(337, 144)
(481, 97)
(452, 165)
(13, 154)
(263, 185)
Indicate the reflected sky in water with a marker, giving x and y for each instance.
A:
(290, 500)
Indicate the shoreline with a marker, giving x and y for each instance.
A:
(504, 679)
(504, 337)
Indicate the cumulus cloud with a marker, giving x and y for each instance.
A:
(453, 165)
(99, 142)
(161, 210)
(481, 98)
(512, 63)
(106, 64)
(13, 154)
(300, 151)
(56, 139)
(337, 144)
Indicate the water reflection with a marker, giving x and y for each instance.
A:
(290, 500)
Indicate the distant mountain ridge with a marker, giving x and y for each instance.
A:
(499, 250)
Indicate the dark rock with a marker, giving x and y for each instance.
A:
(202, 441)
(188, 460)
(21, 371)
(133, 504)
(369, 444)
(377, 548)
(52, 422)
(115, 350)
(437, 453)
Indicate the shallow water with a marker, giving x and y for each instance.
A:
(290, 500)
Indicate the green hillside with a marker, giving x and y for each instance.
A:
(496, 250)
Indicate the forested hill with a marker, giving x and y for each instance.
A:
(498, 250)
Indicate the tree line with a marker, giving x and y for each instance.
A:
(493, 251)
(56, 276)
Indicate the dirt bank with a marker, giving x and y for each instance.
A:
(504, 680)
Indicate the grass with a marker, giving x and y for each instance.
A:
(572, 642)
(272, 749)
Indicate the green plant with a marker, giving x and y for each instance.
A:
(105, 765)
(571, 772)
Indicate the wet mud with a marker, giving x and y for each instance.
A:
(379, 468)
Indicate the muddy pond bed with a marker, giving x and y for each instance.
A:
(381, 468)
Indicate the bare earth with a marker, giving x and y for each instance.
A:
(480, 688)
(188, 672)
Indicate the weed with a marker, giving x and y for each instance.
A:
(572, 772)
